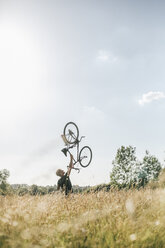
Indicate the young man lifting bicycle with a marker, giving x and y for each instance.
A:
(64, 182)
(84, 156)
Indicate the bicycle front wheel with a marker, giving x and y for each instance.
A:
(71, 132)
(85, 156)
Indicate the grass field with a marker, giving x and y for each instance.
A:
(104, 219)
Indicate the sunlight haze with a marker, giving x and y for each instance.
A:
(97, 63)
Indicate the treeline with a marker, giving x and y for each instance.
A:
(22, 189)
(152, 184)
(127, 172)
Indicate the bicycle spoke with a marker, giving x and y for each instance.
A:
(72, 134)
(70, 138)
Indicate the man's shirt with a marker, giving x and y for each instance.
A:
(65, 183)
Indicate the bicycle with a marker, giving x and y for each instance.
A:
(71, 139)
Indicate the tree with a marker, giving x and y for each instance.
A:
(22, 191)
(4, 174)
(34, 189)
(150, 168)
(124, 166)
(128, 171)
(42, 190)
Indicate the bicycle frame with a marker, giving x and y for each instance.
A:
(75, 160)
(77, 153)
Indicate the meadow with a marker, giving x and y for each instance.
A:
(133, 218)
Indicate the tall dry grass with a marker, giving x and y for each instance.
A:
(104, 219)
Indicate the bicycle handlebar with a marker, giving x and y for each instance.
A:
(81, 138)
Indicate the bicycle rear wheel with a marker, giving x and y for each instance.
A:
(71, 132)
(85, 156)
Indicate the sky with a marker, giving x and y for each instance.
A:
(97, 63)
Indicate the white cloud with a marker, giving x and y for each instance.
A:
(151, 96)
(103, 55)
(106, 56)
(93, 113)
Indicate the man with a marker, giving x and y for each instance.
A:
(64, 182)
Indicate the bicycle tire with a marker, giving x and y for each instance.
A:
(85, 159)
(71, 138)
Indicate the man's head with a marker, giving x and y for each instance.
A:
(60, 173)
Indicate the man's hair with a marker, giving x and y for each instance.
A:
(58, 172)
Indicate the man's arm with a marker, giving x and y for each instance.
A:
(70, 165)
